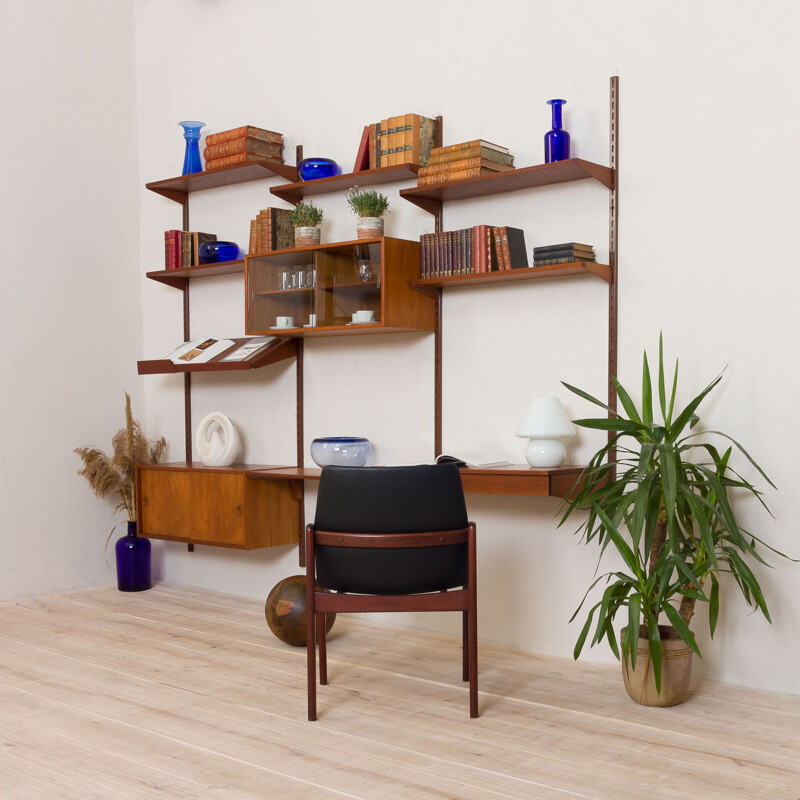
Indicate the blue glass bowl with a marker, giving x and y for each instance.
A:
(309, 169)
(214, 252)
(341, 451)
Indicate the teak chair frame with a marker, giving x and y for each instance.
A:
(319, 602)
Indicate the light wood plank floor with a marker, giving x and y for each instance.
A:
(181, 693)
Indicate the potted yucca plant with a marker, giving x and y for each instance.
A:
(114, 476)
(659, 494)
(306, 218)
(369, 206)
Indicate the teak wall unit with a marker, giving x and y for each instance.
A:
(264, 300)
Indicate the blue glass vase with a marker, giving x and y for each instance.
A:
(191, 159)
(309, 169)
(133, 562)
(215, 252)
(556, 141)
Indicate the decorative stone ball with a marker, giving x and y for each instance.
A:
(285, 611)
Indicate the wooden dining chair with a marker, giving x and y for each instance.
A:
(390, 539)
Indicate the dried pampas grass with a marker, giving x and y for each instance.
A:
(114, 476)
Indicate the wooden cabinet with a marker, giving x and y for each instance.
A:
(189, 502)
(331, 282)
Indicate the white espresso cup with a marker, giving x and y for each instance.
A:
(312, 320)
(364, 315)
(284, 322)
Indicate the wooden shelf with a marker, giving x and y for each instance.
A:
(602, 271)
(177, 188)
(518, 479)
(295, 192)
(179, 277)
(430, 198)
(278, 350)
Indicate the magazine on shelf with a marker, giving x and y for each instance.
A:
(249, 348)
(199, 351)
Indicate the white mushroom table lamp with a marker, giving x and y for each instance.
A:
(545, 424)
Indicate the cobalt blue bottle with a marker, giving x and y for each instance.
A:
(133, 562)
(556, 141)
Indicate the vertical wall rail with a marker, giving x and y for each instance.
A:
(300, 448)
(437, 379)
(613, 236)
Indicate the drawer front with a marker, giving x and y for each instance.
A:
(164, 504)
(218, 508)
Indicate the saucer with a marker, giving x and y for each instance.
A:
(307, 325)
(283, 327)
(371, 322)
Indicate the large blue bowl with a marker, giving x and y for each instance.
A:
(309, 169)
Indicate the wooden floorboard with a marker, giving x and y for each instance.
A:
(183, 693)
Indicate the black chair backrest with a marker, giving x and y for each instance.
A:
(391, 500)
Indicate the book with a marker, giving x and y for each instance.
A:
(267, 149)
(545, 262)
(239, 158)
(471, 461)
(441, 155)
(497, 244)
(172, 249)
(273, 230)
(454, 175)
(373, 164)
(475, 143)
(198, 351)
(461, 164)
(515, 255)
(579, 255)
(417, 140)
(244, 131)
(362, 157)
(565, 246)
(198, 239)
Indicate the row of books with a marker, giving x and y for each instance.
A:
(407, 139)
(240, 145)
(472, 251)
(471, 159)
(564, 253)
(271, 230)
(181, 248)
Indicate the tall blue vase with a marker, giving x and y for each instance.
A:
(133, 562)
(556, 141)
(191, 159)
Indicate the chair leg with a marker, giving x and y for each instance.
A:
(472, 623)
(323, 650)
(311, 647)
(465, 646)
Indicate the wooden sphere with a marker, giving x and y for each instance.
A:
(285, 611)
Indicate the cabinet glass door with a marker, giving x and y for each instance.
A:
(348, 285)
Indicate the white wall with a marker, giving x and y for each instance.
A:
(70, 292)
(707, 172)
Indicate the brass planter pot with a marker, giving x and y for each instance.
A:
(676, 669)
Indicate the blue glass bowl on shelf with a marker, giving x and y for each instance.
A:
(310, 169)
(341, 451)
(216, 252)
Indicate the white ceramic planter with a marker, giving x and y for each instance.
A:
(306, 236)
(369, 227)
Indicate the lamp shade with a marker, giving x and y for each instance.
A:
(545, 419)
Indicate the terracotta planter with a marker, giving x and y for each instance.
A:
(676, 669)
(306, 236)
(369, 227)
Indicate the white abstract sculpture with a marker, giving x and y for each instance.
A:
(217, 440)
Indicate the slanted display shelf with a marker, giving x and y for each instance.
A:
(177, 188)
(180, 276)
(513, 479)
(295, 192)
(602, 271)
(278, 350)
(430, 198)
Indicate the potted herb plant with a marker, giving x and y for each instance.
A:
(369, 206)
(306, 218)
(659, 495)
(114, 476)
